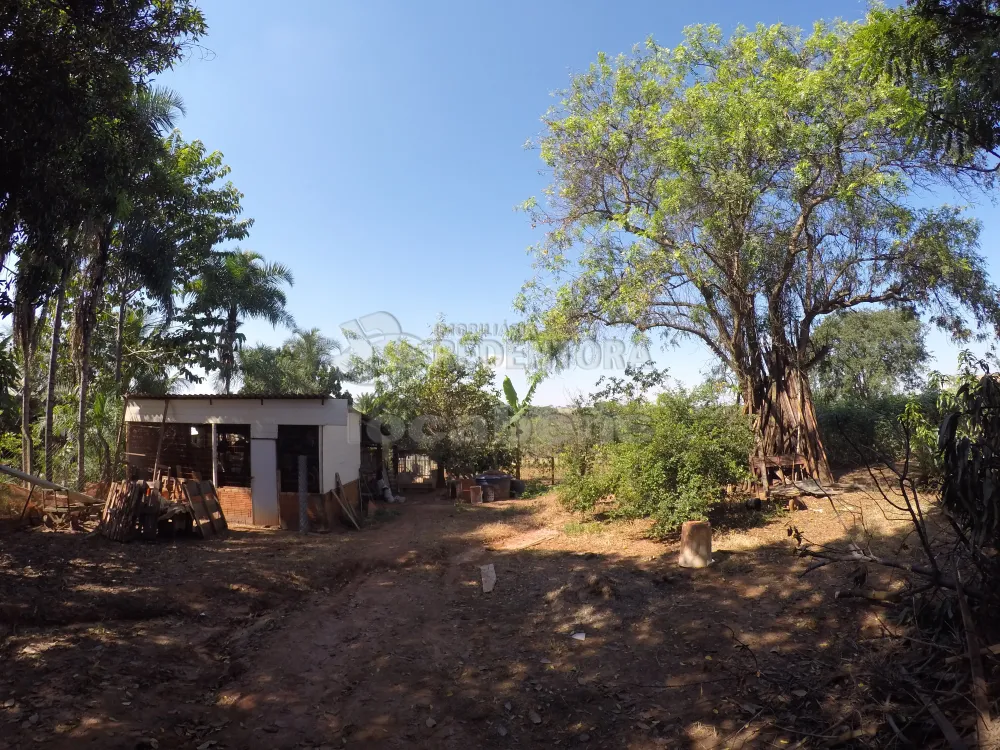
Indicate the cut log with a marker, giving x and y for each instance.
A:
(696, 544)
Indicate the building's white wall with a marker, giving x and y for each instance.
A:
(340, 455)
(340, 427)
(263, 418)
(353, 427)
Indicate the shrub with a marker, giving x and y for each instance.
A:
(670, 464)
(860, 432)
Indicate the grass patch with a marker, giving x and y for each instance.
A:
(386, 514)
(576, 528)
(534, 488)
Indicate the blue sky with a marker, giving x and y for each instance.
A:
(380, 144)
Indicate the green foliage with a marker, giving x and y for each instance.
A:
(947, 54)
(445, 401)
(878, 432)
(518, 410)
(302, 365)
(869, 354)
(534, 488)
(670, 464)
(736, 191)
(857, 432)
(233, 286)
(74, 79)
(579, 529)
(518, 407)
(969, 443)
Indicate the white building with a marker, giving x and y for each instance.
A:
(249, 446)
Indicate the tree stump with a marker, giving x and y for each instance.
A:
(696, 544)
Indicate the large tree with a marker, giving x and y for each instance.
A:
(439, 401)
(868, 354)
(69, 72)
(737, 192)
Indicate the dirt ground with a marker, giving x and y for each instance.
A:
(385, 638)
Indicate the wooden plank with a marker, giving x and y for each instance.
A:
(198, 510)
(215, 513)
(346, 509)
(120, 515)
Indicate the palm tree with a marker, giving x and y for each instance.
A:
(153, 113)
(238, 285)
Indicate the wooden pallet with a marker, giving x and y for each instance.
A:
(204, 503)
(120, 518)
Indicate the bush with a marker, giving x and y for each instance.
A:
(670, 464)
(860, 432)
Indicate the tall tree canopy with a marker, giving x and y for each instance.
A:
(237, 285)
(70, 78)
(947, 53)
(303, 364)
(867, 354)
(737, 191)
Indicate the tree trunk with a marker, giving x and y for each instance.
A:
(26, 328)
(517, 468)
(50, 390)
(86, 320)
(26, 445)
(81, 419)
(229, 349)
(120, 334)
(116, 460)
(785, 418)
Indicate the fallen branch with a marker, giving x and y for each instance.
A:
(858, 556)
(980, 693)
(955, 742)
(899, 735)
(882, 597)
(993, 650)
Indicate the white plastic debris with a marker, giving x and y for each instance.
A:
(489, 574)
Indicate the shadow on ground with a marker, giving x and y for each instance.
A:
(385, 638)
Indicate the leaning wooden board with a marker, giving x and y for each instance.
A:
(202, 519)
(214, 508)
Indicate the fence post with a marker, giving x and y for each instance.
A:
(303, 495)
(552, 469)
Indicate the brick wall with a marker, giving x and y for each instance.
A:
(237, 504)
(192, 453)
(288, 510)
(288, 507)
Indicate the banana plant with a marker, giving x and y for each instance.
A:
(518, 408)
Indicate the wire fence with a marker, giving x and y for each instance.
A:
(542, 468)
